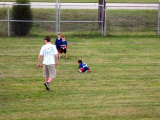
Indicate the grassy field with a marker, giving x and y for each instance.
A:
(108, 1)
(124, 82)
(119, 22)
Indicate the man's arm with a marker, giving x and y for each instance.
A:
(56, 58)
(39, 61)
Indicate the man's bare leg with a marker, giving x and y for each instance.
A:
(47, 79)
(50, 79)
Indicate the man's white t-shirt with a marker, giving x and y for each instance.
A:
(48, 51)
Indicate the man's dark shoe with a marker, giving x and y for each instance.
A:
(47, 86)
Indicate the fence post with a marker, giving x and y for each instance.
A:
(8, 22)
(59, 16)
(56, 16)
(102, 17)
(158, 18)
(105, 29)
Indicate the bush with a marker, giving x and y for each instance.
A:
(3, 25)
(3, 13)
(21, 12)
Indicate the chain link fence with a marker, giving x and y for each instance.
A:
(56, 17)
(134, 19)
(44, 20)
(75, 19)
(158, 26)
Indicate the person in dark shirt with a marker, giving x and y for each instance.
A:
(57, 43)
(63, 45)
(83, 67)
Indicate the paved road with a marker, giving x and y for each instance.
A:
(47, 5)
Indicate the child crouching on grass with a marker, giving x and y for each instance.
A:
(63, 45)
(83, 67)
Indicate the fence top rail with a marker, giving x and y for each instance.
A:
(49, 21)
(51, 5)
(84, 5)
(26, 4)
(3, 20)
(131, 6)
(29, 21)
(127, 5)
(80, 21)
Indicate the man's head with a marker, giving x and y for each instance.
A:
(63, 38)
(47, 39)
(79, 61)
(59, 35)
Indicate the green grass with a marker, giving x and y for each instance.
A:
(123, 83)
(95, 1)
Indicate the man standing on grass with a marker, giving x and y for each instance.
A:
(50, 54)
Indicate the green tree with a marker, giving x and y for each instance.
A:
(21, 12)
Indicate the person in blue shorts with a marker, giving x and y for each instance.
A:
(83, 67)
(57, 43)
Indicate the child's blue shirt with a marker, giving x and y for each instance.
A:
(83, 65)
(63, 43)
(58, 43)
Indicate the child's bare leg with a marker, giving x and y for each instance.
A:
(66, 55)
(59, 55)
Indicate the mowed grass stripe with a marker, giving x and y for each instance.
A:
(123, 83)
